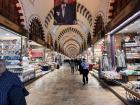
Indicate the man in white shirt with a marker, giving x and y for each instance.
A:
(85, 71)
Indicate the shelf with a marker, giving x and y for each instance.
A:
(10, 60)
(13, 66)
(130, 46)
(130, 42)
(133, 53)
(10, 55)
(10, 44)
(132, 58)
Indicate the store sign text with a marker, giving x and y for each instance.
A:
(9, 24)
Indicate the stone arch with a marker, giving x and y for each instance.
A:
(55, 46)
(49, 41)
(21, 5)
(99, 28)
(36, 29)
(100, 13)
(70, 29)
(70, 45)
(33, 16)
(71, 40)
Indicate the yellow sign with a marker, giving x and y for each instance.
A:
(4, 21)
(125, 12)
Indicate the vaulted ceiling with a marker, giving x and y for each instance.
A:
(70, 40)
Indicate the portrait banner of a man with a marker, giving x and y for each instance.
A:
(64, 12)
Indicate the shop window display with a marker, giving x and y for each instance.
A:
(127, 55)
(36, 53)
(127, 42)
(10, 50)
(13, 49)
(125, 39)
(36, 60)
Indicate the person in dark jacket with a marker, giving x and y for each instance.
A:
(12, 91)
(80, 66)
(64, 13)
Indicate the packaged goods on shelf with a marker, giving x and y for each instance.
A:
(134, 86)
(128, 72)
(111, 75)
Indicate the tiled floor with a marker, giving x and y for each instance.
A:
(63, 88)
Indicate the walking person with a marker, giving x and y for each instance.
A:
(80, 66)
(12, 91)
(85, 71)
(72, 66)
(76, 64)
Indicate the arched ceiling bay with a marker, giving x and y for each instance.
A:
(65, 35)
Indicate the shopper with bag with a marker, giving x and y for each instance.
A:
(12, 91)
(85, 71)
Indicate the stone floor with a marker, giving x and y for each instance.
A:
(63, 88)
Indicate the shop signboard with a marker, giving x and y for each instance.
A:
(9, 24)
(123, 13)
(37, 54)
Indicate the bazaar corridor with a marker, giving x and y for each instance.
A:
(38, 38)
(60, 87)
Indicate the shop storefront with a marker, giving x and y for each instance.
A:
(36, 53)
(127, 56)
(99, 48)
(116, 39)
(125, 52)
(14, 51)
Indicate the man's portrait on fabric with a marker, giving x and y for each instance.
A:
(64, 12)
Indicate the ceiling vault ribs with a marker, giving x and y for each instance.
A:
(71, 40)
(70, 29)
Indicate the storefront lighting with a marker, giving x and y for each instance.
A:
(89, 48)
(7, 34)
(135, 16)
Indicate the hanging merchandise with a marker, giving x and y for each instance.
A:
(120, 58)
(105, 62)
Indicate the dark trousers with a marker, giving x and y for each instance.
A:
(72, 69)
(85, 77)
